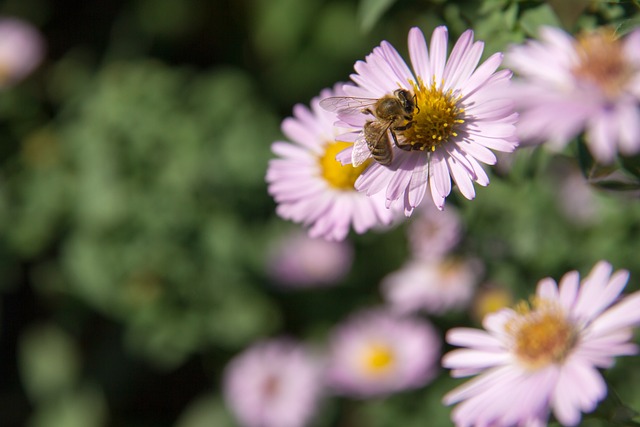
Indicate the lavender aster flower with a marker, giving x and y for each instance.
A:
(458, 117)
(21, 50)
(376, 353)
(434, 286)
(433, 233)
(311, 186)
(299, 261)
(273, 384)
(568, 86)
(544, 356)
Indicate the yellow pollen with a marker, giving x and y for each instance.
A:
(601, 61)
(337, 175)
(378, 359)
(542, 335)
(435, 118)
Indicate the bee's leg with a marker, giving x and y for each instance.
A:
(406, 146)
(402, 146)
(404, 127)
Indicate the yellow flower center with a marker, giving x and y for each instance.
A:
(542, 335)
(378, 359)
(602, 62)
(435, 119)
(337, 175)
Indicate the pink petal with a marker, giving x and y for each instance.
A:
(438, 53)
(579, 388)
(547, 289)
(439, 174)
(569, 285)
(475, 338)
(474, 359)
(419, 54)
(460, 175)
(482, 74)
(397, 64)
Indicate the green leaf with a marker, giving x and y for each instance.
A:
(370, 12)
(568, 11)
(616, 185)
(542, 15)
(631, 164)
(85, 407)
(49, 361)
(206, 411)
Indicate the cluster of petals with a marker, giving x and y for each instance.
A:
(486, 120)
(511, 390)
(300, 261)
(22, 49)
(376, 352)
(274, 383)
(570, 86)
(296, 181)
(434, 286)
(433, 233)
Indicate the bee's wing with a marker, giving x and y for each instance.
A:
(347, 104)
(360, 152)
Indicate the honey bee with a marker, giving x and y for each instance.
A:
(392, 113)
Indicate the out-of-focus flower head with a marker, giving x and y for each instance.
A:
(434, 233)
(375, 353)
(589, 84)
(544, 355)
(308, 183)
(576, 198)
(434, 286)
(22, 49)
(297, 260)
(460, 114)
(273, 383)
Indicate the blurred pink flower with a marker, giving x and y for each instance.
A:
(298, 260)
(434, 286)
(376, 353)
(308, 183)
(544, 356)
(577, 199)
(273, 383)
(590, 84)
(21, 50)
(459, 117)
(433, 233)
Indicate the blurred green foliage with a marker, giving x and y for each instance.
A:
(136, 223)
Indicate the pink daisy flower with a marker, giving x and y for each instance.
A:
(21, 50)
(311, 186)
(273, 384)
(375, 353)
(544, 356)
(568, 86)
(452, 116)
(299, 261)
(434, 286)
(434, 233)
